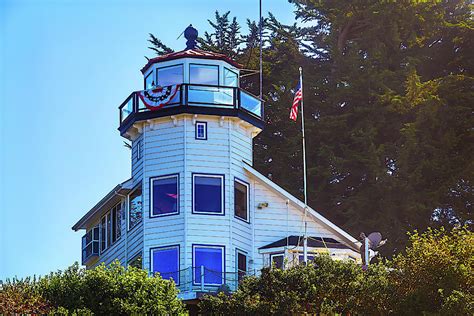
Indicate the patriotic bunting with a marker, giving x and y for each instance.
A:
(154, 99)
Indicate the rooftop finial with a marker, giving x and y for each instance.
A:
(191, 34)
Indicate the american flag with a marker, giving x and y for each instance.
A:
(296, 100)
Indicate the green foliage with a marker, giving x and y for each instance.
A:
(21, 297)
(434, 276)
(104, 290)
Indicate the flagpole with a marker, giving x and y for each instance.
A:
(261, 50)
(305, 237)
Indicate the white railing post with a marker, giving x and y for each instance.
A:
(202, 278)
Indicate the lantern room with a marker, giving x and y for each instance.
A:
(190, 81)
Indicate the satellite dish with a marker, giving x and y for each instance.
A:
(374, 241)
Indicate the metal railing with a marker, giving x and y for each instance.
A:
(203, 279)
(199, 96)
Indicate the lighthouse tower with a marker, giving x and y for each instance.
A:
(194, 209)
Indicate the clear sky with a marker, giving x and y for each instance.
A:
(65, 67)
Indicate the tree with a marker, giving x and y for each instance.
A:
(388, 103)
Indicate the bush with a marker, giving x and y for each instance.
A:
(104, 290)
(433, 276)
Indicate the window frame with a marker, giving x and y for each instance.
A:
(205, 84)
(193, 254)
(103, 247)
(166, 176)
(193, 199)
(118, 220)
(277, 254)
(144, 79)
(170, 66)
(196, 135)
(247, 185)
(177, 282)
(245, 254)
(139, 148)
(236, 73)
(138, 186)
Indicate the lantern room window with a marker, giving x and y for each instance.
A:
(204, 74)
(231, 79)
(168, 76)
(149, 81)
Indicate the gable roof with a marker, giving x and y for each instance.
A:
(190, 53)
(119, 189)
(348, 239)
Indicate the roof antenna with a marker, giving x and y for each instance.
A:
(191, 34)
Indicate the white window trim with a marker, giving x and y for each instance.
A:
(248, 200)
(237, 252)
(151, 194)
(204, 124)
(204, 175)
(277, 255)
(177, 282)
(222, 262)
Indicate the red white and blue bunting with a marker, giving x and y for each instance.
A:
(154, 99)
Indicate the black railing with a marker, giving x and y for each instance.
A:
(90, 245)
(200, 96)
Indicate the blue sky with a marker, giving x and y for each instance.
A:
(65, 67)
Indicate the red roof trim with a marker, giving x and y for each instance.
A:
(190, 53)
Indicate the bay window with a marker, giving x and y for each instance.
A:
(212, 259)
(208, 194)
(165, 261)
(164, 195)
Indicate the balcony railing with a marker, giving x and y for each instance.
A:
(90, 245)
(200, 96)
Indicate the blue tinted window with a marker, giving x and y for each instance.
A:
(212, 258)
(301, 258)
(230, 78)
(208, 194)
(166, 262)
(201, 130)
(168, 76)
(204, 74)
(164, 195)
(149, 81)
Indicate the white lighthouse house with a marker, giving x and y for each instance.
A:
(194, 209)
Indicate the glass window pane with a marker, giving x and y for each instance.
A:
(301, 258)
(208, 194)
(149, 81)
(277, 261)
(241, 265)
(204, 74)
(165, 196)
(109, 229)
(135, 208)
(103, 234)
(250, 103)
(210, 96)
(240, 200)
(230, 78)
(168, 76)
(136, 262)
(212, 260)
(166, 262)
(118, 231)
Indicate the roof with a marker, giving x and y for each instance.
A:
(313, 242)
(350, 241)
(190, 53)
(118, 190)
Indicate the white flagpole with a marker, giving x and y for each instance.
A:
(261, 51)
(305, 237)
